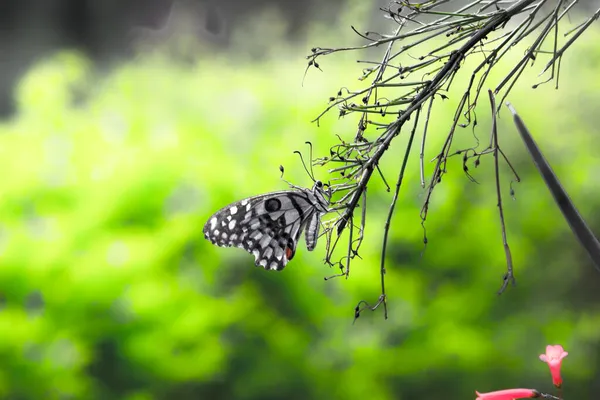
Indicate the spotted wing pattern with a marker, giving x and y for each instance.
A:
(269, 226)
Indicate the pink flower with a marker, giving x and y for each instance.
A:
(553, 357)
(508, 394)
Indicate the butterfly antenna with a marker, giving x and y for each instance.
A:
(304, 165)
(285, 180)
(312, 172)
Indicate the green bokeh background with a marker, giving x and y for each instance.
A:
(109, 290)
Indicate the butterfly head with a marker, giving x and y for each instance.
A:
(323, 193)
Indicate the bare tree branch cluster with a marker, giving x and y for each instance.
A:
(407, 87)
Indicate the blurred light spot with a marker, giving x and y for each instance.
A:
(3, 244)
(32, 352)
(117, 254)
(121, 311)
(190, 276)
(57, 155)
(114, 128)
(184, 199)
(164, 137)
(34, 303)
(64, 354)
(37, 226)
(98, 173)
(42, 228)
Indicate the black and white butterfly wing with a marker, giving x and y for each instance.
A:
(268, 226)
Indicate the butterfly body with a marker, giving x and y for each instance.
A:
(269, 226)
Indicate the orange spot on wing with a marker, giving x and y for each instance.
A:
(289, 253)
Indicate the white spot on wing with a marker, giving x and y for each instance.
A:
(231, 224)
(263, 263)
(213, 223)
(256, 254)
(256, 235)
(233, 210)
(273, 266)
(291, 216)
(278, 253)
(264, 242)
(268, 252)
(233, 237)
(255, 225)
(244, 202)
(286, 204)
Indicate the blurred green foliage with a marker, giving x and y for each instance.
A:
(109, 290)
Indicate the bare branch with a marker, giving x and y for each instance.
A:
(509, 276)
(486, 29)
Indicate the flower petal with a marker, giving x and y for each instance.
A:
(553, 357)
(508, 394)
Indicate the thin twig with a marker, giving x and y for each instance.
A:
(509, 276)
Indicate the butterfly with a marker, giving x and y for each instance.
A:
(269, 226)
